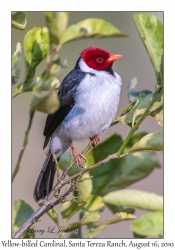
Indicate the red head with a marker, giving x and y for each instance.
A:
(98, 59)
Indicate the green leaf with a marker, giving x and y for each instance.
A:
(51, 82)
(16, 64)
(91, 27)
(152, 141)
(72, 236)
(119, 173)
(125, 111)
(36, 47)
(91, 227)
(53, 214)
(150, 224)
(137, 113)
(158, 102)
(137, 137)
(69, 208)
(56, 23)
(157, 109)
(109, 146)
(150, 30)
(133, 168)
(142, 103)
(49, 76)
(85, 187)
(158, 115)
(21, 212)
(87, 219)
(135, 198)
(104, 173)
(118, 217)
(47, 104)
(138, 108)
(129, 210)
(160, 76)
(115, 209)
(24, 87)
(136, 236)
(29, 234)
(94, 203)
(90, 218)
(128, 108)
(19, 20)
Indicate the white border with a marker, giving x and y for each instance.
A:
(5, 95)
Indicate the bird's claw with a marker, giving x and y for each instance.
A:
(78, 159)
(77, 156)
(95, 141)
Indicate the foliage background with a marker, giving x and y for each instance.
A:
(135, 62)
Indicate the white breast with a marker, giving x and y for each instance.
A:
(97, 101)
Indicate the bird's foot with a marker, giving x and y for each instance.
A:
(77, 156)
(95, 141)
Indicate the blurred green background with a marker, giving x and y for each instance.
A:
(135, 62)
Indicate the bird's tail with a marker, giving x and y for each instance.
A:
(45, 179)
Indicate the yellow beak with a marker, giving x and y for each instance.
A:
(113, 57)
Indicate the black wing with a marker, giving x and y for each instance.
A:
(66, 96)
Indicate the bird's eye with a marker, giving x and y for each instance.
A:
(99, 59)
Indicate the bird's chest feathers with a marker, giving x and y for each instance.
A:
(96, 103)
(98, 93)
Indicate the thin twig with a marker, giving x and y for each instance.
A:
(57, 166)
(24, 146)
(85, 151)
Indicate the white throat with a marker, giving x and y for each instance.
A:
(85, 68)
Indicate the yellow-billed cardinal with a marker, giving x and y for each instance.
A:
(89, 97)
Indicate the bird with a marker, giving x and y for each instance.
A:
(89, 99)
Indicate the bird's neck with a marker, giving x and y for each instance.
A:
(80, 64)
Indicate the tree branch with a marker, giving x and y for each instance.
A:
(25, 142)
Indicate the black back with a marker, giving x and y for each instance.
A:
(66, 96)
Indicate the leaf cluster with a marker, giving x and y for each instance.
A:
(44, 43)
